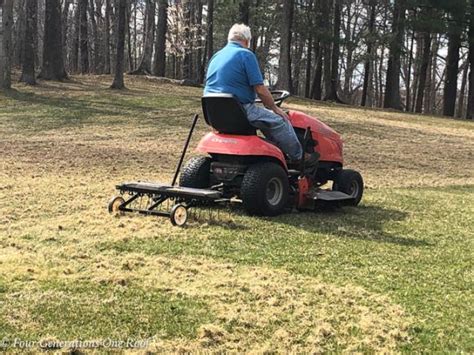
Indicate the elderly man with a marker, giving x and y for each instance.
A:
(235, 70)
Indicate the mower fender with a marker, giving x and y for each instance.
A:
(216, 143)
(330, 143)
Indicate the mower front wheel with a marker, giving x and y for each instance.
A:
(351, 183)
(264, 189)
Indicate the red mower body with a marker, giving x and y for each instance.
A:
(329, 145)
(229, 144)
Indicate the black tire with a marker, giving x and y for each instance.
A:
(264, 189)
(196, 173)
(350, 182)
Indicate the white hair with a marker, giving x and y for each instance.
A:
(239, 32)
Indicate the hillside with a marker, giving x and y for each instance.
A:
(392, 274)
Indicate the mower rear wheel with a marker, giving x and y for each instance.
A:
(264, 189)
(196, 173)
(350, 182)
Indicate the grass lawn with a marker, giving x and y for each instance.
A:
(394, 274)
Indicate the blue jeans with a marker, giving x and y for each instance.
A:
(276, 129)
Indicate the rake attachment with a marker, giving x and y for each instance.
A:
(150, 198)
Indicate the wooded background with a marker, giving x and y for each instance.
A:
(412, 55)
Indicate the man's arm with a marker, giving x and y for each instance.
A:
(267, 100)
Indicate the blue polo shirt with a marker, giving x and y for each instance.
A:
(234, 70)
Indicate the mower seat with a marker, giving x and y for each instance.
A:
(225, 114)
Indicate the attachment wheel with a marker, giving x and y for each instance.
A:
(115, 203)
(179, 215)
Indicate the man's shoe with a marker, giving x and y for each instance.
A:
(311, 163)
(311, 160)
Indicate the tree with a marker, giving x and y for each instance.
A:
(5, 43)
(332, 94)
(145, 61)
(244, 11)
(95, 35)
(108, 11)
(309, 50)
(326, 44)
(284, 64)
(120, 39)
(426, 54)
(83, 37)
(188, 39)
(210, 29)
(28, 67)
(53, 64)
(369, 59)
(392, 85)
(470, 99)
(159, 66)
(452, 61)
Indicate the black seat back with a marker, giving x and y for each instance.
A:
(225, 114)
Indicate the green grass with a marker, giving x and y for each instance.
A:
(85, 310)
(394, 274)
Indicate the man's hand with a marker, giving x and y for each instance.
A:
(280, 112)
(267, 99)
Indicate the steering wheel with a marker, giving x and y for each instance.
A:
(278, 96)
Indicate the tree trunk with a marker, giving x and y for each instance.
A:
(18, 33)
(135, 49)
(6, 38)
(309, 53)
(128, 36)
(465, 71)
(332, 94)
(210, 30)
(75, 43)
(28, 66)
(297, 60)
(65, 19)
(326, 44)
(188, 45)
(284, 64)
(120, 38)
(198, 59)
(144, 66)
(53, 63)
(244, 11)
(452, 66)
(107, 38)
(160, 43)
(470, 99)
(316, 87)
(84, 37)
(392, 86)
(369, 59)
(2, 50)
(426, 54)
(96, 57)
(408, 79)
(431, 86)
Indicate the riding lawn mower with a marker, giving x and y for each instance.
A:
(239, 165)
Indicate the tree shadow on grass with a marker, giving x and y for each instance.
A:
(365, 223)
(69, 111)
(70, 108)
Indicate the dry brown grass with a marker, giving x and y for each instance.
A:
(55, 180)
